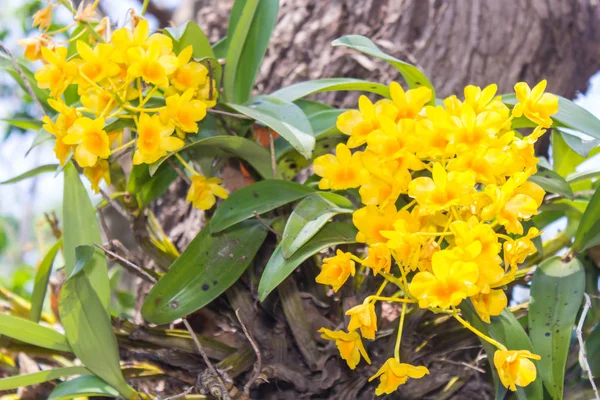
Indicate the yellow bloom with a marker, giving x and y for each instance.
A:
(450, 283)
(360, 123)
(515, 367)
(403, 239)
(394, 373)
(123, 39)
(411, 102)
(65, 119)
(385, 181)
(33, 46)
(58, 73)
(489, 304)
(203, 191)
(96, 100)
(91, 140)
(336, 270)
(485, 100)
(43, 17)
(101, 170)
(96, 64)
(349, 344)
(396, 141)
(379, 258)
(443, 190)
(151, 65)
(472, 231)
(154, 140)
(470, 130)
(184, 112)
(342, 171)
(516, 251)
(85, 13)
(535, 104)
(188, 74)
(370, 221)
(363, 316)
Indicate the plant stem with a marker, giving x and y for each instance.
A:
(399, 337)
(475, 331)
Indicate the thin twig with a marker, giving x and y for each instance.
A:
(263, 223)
(239, 116)
(210, 365)
(272, 147)
(22, 75)
(258, 365)
(464, 364)
(180, 395)
(586, 306)
(138, 270)
(115, 205)
(179, 171)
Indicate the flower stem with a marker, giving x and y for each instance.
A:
(390, 299)
(186, 165)
(123, 147)
(475, 331)
(399, 337)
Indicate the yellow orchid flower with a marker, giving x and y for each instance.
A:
(411, 102)
(393, 373)
(58, 73)
(154, 140)
(489, 304)
(379, 258)
(97, 64)
(536, 105)
(363, 317)
(151, 65)
(184, 112)
(515, 367)
(96, 173)
(336, 270)
(371, 221)
(342, 171)
(203, 191)
(349, 345)
(91, 140)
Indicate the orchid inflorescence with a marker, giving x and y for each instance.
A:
(127, 75)
(445, 190)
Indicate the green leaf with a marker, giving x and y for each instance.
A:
(40, 285)
(412, 75)
(31, 173)
(556, 294)
(278, 268)
(310, 215)
(565, 160)
(592, 349)
(207, 267)
(310, 107)
(583, 175)
(88, 326)
(552, 182)
(148, 188)
(41, 137)
(83, 386)
(570, 115)
(14, 382)
(247, 46)
(25, 123)
(29, 332)
(588, 232)
(285, 118)
(220, 48)
(190, 34)
(303, 89)
(259, 197)
(506, 329)
(579, 146)
(233, 146)
(81, 228)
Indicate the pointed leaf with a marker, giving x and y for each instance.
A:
(412, 75)
(303, 89)
(24, 123)
(83, 386)
(278, 268)
(552, 182)
(588, 232)
(579, 145)
(41, 137)
(190, 34)
(31, 173)
(81, 228)
(14, 382)
(29, 332)
(260, 197)
(564, 159)
(285, 118)
(88, 326)
(208, 267)
(40, 284)
(556, 295)
(310, 215)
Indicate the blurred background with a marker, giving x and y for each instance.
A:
(455, 43)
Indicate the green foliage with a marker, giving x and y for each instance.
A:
(35, 378)
(40, 285)
(30, 332)
(29, 174)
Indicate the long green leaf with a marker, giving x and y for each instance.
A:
(235, 146)
(29, 332)
(412, 75)
(31, 173)
(285, 118)
(81, 228)
(88, 326)
(83, 386)
(556, 295)
(564, 159)
(309, 217)
(588, 232)
(278, 268)
(41, 137)
(303, 89)
(552, 182)
(260, 197)
(14, 382)
(40, 284)
(24, 123)
(247, 46)
(208, 267)
(570, 115)
(579, 146)
(147, 188)
(583, 175)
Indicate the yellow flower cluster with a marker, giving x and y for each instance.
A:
(459, 235)
(132, 75)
